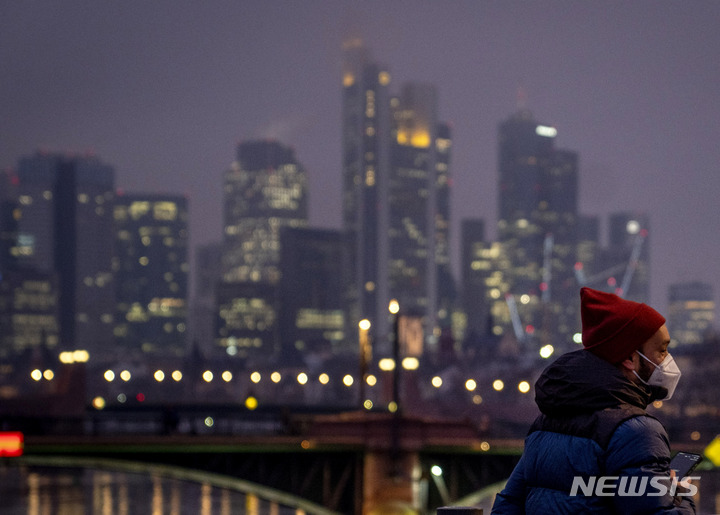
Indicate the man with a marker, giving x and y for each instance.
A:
(593, 423)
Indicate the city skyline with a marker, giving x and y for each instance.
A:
(143, 86)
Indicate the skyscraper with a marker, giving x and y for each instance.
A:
(28, 298)
(691, 312)
(396, 184)
(312, 296)
(151, 273)
(537, 225)
(8, 219)
(65, 227)
(206, 277)
(264, 190)
(366, 140)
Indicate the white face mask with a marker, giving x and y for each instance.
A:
(666, 374)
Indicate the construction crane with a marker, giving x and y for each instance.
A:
(547, 267)
(515, 317)
(632, 264)
(629, 268)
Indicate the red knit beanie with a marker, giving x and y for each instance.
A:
(613, 328)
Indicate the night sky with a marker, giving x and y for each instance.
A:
(163, 90)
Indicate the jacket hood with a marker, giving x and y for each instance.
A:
(581, 382)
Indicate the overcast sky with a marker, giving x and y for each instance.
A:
(163, 90)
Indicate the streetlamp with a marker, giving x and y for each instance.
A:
(365, 354)
(394, 308)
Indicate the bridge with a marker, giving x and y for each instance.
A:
(348, 462)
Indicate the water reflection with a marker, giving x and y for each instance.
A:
(36, 490)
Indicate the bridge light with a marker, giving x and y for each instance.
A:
(410, 363)
(251, 403)
(386, 364)
(348, 380)
(524, 387)
(81, 356)
(394, 307)
(436, 381)
(177, 376)
(109, 376)
(498, 385)
(470, 385)
(275, 377)
(49, 374)
(159, 376)
(125, 375)
(227, 376)
(324, 378)
(255, 377)
(302, 378)
(371, 380)
(98, 403)
(207, 376)
(36, 374)
(546, 351)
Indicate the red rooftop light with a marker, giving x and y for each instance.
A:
(12, 444)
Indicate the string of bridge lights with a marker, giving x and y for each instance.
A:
(276, 377)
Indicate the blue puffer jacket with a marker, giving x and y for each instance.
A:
(592, 424)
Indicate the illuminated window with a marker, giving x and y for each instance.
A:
(165, 211)
(139, 209)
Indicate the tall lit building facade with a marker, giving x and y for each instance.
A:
(691, 312)
(207, 272)
(588, 250)
(485, 274)
(366, 140)
(264, 191)
(537, 227)
(65, 229)
(313, 315)
(474, 273)
(9, 213)
(28, 298)
(28, 311)
(151, 274)
(396, 190)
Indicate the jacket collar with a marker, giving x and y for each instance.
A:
(580, 382)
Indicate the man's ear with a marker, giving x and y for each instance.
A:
(628, 364)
